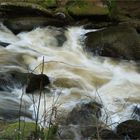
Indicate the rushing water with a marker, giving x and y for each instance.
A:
(76, 76)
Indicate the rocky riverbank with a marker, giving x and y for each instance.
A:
(118, 37)
(93, 14)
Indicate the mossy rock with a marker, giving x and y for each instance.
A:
(49, 3)
(12, 131)
(87, 9)
(62, 13)
(10, 6)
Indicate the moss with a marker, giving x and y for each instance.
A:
(26, 132)
(12, 131)
(3, 125)
(50, 3)
(26, 5)
(85, 9)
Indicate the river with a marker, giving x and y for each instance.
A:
(76, 76)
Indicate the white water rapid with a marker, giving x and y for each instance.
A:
(76, 76)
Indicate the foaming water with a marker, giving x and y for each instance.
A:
(75, 75)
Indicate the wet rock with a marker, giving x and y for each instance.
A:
(126, 7)
(66, 132)
(14, 9)
(28, 23)
(88, 131)
(61, 38)
(129, 129)
(36, 82)
(106, 134)
(11, 79)
(25, 16)
(127, 21)
(81, 123)
(4, 44)
(87, 114)
(117, 42)
(136, 112)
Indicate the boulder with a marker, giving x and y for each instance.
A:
(81, 122)
(129, 129)
(129, 8)
(87, 114)
(33, 82)
(25, 16)
(135, 23)
(36, 82)
(118, 42)
(20, 24)
(87, 8)
(18, 8)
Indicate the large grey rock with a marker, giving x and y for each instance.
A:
(117, 42)
(82, 122)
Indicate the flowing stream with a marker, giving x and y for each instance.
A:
(76, 76)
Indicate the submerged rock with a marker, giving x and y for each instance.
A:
(4, 44)
(117, 42)
(129, 129)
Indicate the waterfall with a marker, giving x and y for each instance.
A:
(76, 76)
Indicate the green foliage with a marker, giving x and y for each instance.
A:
(12, 131)
(26, 131)
(50, 133)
